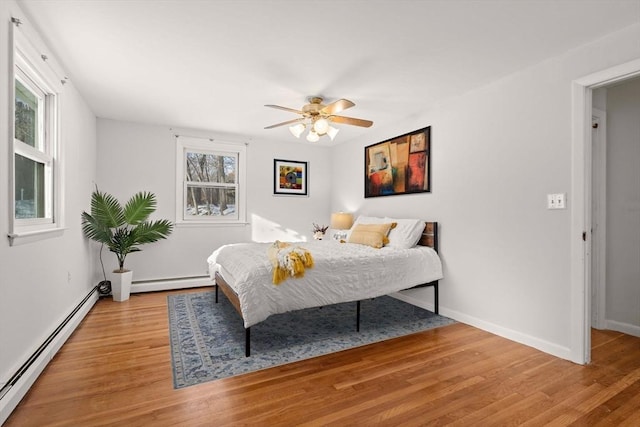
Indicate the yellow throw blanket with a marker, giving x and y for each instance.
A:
(288, 260)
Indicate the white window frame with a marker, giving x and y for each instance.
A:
(186, 144)
(30, 68)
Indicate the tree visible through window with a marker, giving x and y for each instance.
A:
(205, 172)
(209, 174)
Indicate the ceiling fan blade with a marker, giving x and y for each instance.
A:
(288, 122)
(337, 106)
(284, 108)
(351, 121)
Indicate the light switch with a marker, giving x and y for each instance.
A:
(556, 201)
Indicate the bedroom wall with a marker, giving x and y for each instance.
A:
(496, 153)
(42, 282)
(134, 157)
(623, 207)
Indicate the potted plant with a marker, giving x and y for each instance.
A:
(122, 230)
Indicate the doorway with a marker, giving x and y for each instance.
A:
(581, 215)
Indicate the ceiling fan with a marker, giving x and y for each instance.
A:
(319, 117)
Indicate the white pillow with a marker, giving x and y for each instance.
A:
(406, 233)
(362, 219)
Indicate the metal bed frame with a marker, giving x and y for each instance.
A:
(429, 238)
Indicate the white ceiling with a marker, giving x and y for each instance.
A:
(214, 64)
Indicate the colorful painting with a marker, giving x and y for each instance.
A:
(290, 177)
(398, 166)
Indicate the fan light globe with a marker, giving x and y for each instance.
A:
(332, 132)
(297, 130)
(312, 136)
(321, 126)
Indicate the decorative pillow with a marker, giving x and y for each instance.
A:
(363, 219)
(406, 234)
(374, 235)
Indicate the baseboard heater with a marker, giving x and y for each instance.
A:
(40, 351)
(153, 285)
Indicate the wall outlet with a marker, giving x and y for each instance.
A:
(556, 201)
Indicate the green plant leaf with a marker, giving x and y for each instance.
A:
(152, 231)
(95, 230)
(139, 207)
(106, 209)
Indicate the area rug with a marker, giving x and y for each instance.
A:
(207, 339)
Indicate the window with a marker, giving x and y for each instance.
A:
(210, 185)
(35, 188)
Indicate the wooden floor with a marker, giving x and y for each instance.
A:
(116, 370)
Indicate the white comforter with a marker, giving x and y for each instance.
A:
(342, 272)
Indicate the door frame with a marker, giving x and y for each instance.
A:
(599, 218)
(581, 175)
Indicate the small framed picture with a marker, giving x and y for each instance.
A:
(289, 177)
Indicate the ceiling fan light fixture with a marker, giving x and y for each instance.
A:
(312, 136)
(332, 132)
(321, 126)
(317, 118)
(297, 129)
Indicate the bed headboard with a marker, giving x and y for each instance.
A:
(429, 235)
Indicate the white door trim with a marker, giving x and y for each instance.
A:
(599, 219)
(581, 111)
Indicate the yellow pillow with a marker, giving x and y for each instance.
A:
(374, 235)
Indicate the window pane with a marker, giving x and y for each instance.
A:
(202, 167)
(29, 179)
(26, 124)
(207, 201)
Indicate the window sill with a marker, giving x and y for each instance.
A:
(24, 237)
(210, 224)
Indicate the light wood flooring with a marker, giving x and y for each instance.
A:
(116, 370)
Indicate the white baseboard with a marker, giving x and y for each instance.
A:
(14, 395)
(528, 340)
(414, 301)
(625, 328)
(169, 284)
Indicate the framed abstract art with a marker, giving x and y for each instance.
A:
(289, 177)
(401, 165)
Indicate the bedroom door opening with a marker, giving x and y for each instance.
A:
(615, 212)
(581, 213)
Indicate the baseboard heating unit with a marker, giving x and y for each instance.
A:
(18, 385)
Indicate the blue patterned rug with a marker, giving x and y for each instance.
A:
(207, 339)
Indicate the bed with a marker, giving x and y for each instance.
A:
(341, 272)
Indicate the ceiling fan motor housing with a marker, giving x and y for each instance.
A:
(314, 106)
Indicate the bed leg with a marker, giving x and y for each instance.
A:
(358, 316)
(435, 297)
(247, 342)
(216, 285)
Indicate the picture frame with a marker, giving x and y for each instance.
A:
(290, 177)
(400, 165)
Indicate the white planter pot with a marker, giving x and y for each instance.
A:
(121, 285)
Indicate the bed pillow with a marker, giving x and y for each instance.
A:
(363, 219)
(406, 233)
(374, 235)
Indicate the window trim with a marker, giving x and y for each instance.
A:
(28, 65)
(210, 146)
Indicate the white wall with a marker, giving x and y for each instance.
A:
(496, 153)
(42, 282)
(623, 206)
(135, 157)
